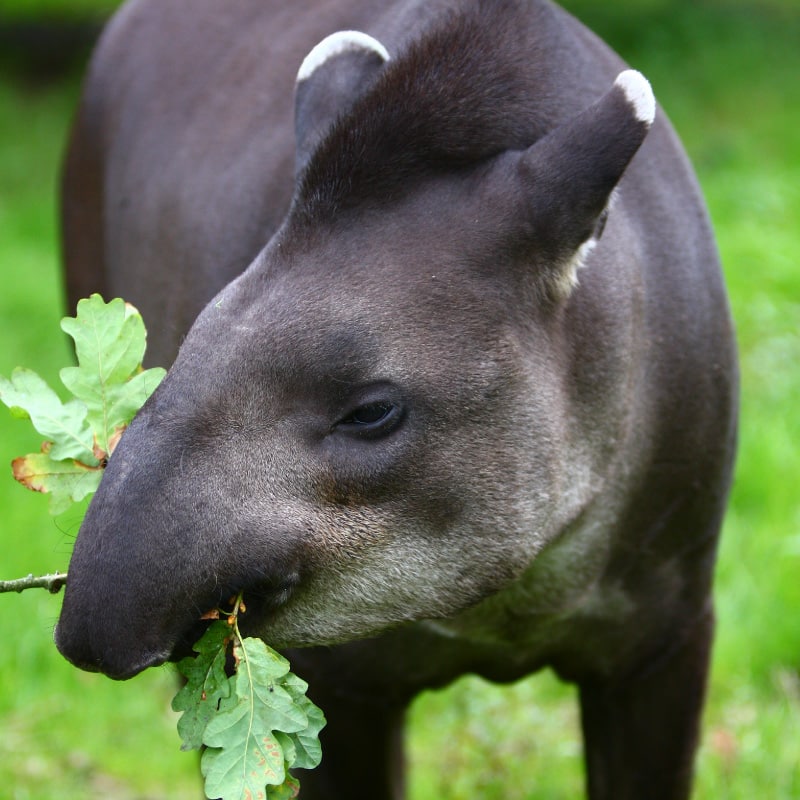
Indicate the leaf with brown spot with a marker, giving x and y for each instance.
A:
(108, 387)
(67, 482)
(243, 752)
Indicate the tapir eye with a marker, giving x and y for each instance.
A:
(371, 419)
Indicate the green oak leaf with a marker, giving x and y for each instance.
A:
(308, 752)
(287, 747)
(247, 758)
(110, 341)
(243, 754)
(125, 400)
(288, 790)
(64, 424)
(206, 684)
(108, 387)
(110, 338)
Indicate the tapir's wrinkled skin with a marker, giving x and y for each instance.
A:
(470, 407)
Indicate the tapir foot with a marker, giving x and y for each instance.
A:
(641, 733)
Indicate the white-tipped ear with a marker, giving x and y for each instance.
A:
(336, 44)
(565, 180)
(639, 94)
(332, 76)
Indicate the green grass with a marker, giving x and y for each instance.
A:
(57, 9)
(727, 75)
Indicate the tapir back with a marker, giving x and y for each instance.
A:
(454, 381)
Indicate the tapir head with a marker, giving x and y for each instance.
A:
(364, 428)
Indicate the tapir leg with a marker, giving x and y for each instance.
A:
(362, 747)
(641, 733)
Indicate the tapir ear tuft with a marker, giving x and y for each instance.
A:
(335, 45)
(639, 94)
(332, 76)
(569, 175)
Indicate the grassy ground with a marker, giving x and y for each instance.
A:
(727, 75)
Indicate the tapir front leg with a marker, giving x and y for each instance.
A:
(362, 747)
(641, 732)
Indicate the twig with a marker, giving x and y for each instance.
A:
(52, 583)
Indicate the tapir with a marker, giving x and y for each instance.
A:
(453, 382)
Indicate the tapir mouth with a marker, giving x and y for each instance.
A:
(121, 664)
(122, 647)
(184, 647)
(262, 599)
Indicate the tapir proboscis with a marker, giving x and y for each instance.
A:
(453, 380)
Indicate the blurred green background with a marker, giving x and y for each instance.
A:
(728, 74)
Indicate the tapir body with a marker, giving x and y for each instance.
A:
(454, 384)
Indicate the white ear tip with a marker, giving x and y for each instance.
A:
(334, 45)
(638, 93)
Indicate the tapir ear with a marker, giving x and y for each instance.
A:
(568, 175)
(337, 71)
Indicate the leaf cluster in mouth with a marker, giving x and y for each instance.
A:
(255, 725)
